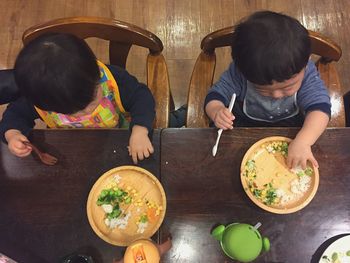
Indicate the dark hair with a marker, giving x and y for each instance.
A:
(270, 46)
(57, 72)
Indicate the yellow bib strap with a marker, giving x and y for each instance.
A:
(46, 118)
(114, 85)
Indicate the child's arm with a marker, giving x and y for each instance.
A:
(15, 141)
(17, 122)
(140, 146)
(299, 151)
(219, 114)
(138, 100)
(220, 94)
(312, 97)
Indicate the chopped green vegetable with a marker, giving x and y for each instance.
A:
(308, 171)
(113, 196)
(284, 148)
(144, 219)
(267, 194)
(300, 173)
(334, 256)
(109, 196)
(250, 164)
(278, 146)
(325, 258)
(115, 213)
(127, 200)
(271, 196)
(348, 253)
(257, 192)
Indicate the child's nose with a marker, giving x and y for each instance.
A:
(277, 94)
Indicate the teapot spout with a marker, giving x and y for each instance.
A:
(218, 231)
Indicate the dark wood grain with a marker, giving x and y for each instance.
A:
(203, 191)
(43, 208)
(43, 213)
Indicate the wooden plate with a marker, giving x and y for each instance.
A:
(269, 183)
(145, 191)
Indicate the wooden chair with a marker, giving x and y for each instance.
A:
(347, 108)
(121, 37)
(203, 74)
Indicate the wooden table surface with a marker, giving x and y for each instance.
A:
(43, 209)
(203, 191)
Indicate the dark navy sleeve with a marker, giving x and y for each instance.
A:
(19, 115)
(8, 88)
(214, 96)
(136, 98)
(313, 94)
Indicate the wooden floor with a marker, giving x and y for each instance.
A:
(180, 24)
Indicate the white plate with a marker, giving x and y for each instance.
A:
(340, 246)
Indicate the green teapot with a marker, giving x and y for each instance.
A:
(241, 242)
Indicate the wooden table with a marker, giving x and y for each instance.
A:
(43, 208)
(203, 191)
(43, 213)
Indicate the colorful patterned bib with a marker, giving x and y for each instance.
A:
(109, 113)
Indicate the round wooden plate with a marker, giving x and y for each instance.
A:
(147, 188)
(271, 167)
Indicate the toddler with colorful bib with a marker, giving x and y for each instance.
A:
(63, 84)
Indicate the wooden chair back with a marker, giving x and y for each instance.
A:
(204, 69)
(121, 37)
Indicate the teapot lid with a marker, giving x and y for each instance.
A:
(242, 242)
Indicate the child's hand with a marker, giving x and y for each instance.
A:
(299, 153)
(219, 114)
(223, 118)
(140, 146)
(15, 143)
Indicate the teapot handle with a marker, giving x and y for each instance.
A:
(266, 244)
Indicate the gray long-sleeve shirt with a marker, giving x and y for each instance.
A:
(312, 95)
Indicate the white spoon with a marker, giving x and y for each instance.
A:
(215, 148)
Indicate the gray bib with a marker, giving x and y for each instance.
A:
(262, 108)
